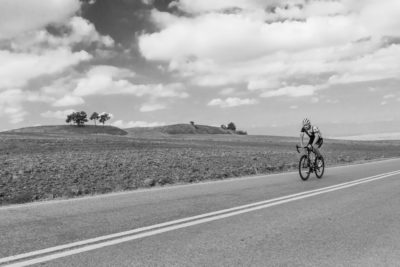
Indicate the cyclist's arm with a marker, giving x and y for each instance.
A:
(301, 139)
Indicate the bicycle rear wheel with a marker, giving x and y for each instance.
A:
(320, 167)
(304, 168)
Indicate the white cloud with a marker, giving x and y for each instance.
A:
(218, 45)
(262, 84)
(220, 5)
(68, 100)
(79, 31)
(108, 80)
(244, 36)
(148, 107)
(294, 107)
(388, 96)
(381, 64)
(332, 101)
(227, 91)
(16, 69)
(231, 102)
(20, 16)
(59, 114)
(37, 53)
(131, 124)
(11, 105)
(29, 52)
(148, 2)
(291, 91)
(314, 100)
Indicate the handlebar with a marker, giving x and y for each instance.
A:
(297, 148)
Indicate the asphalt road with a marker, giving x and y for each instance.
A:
(339, 220)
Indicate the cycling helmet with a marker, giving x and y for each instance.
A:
(306, 122)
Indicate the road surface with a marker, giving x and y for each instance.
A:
(348, 218)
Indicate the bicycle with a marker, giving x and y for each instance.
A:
(309, 163)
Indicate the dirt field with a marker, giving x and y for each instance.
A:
(38, 166)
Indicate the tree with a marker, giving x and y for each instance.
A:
(104, 117)
(69, 118)
(80, 118)
(231, 126)
(94, 117)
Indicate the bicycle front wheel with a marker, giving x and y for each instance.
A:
(320, 167)
(304, 168)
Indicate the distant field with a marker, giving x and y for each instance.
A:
(44, 166)
(70, 129)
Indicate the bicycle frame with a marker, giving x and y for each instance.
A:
(309, 151)
(313, 165)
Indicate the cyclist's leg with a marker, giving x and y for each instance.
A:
(318, 156)
(305, 151)
(316, 151)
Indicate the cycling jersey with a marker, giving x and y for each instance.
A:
(311, 134)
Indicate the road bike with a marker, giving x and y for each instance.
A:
(309, 163)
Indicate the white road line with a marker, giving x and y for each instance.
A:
(152, 227)
(87, 245)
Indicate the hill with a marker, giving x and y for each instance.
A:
(70, 129)
(174, 129)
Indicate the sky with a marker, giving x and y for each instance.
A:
(263, 64)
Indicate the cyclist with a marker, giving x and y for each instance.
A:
(314, 134)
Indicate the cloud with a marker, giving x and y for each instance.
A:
(262, 84)
(131, 124)
(268, 44)
(68, 100)
(388, 96)
(29, 51)
(205, 6)
(19, 16)
(291, 91)
(148, 107)
(381, 64)
(245, 36)
(40, 40)
(109, 80)
(148, 2)
(103, 80)
(227, 91)
(332, 101)
(59, 114)
(74, 31)
(11, 105)
(231, 102)
(17, 69)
